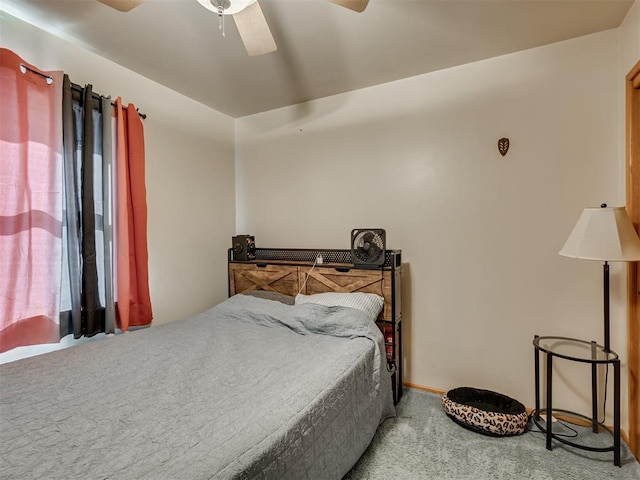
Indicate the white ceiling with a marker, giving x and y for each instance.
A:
(323, 49)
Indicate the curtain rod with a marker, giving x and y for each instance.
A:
(74, 86)
(24, 68)
(79, 88)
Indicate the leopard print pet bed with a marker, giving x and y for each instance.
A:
(486, 412)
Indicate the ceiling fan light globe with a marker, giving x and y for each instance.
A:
(235, 6)
(122, 5)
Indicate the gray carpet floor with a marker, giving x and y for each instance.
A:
(423, 443)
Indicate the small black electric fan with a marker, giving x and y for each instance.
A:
(368, 247)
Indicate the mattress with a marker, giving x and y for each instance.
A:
(250, 389)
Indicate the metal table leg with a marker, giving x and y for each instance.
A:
(536, 363)
(616, 413)
(549, 402)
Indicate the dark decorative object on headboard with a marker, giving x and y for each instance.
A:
(244, 247)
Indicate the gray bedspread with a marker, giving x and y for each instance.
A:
(251, 388)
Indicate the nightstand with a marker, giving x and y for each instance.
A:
(592, 354)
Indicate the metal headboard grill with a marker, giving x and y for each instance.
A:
(309, 255)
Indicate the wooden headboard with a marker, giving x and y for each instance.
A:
(292, 271)
(288, 274)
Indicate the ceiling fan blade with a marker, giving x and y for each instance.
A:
(355, 5)
(122, 5)
(254, 30)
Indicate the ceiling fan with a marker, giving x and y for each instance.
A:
(248, 16)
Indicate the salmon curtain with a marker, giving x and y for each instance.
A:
(132, 285)
(30, 202)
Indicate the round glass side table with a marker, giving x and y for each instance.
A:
(582, 351)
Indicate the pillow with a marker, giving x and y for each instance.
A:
(276, 296)
(370, 303)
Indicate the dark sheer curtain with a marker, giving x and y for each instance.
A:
(87, 291)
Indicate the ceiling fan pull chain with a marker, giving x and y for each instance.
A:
(221, 20)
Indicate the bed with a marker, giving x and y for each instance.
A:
(250, 389)
(293, 271)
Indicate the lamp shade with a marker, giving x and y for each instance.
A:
(604, 233)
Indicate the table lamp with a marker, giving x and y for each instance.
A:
(605, 234)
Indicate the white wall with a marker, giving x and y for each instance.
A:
(630, 39)
(479, 232)
(189, 171)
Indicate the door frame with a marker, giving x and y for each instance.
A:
(632, 140)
